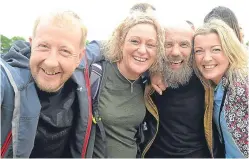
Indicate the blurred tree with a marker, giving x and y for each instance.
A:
(87, 42)
(7, 42)
(14, 38)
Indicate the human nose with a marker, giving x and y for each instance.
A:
(175, 50)
(207, 56)
(52, 59)
(142, 49)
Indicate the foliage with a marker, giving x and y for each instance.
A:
(7, 42)
(87, 42)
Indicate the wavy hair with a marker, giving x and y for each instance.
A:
(232, 48)
(112, 48)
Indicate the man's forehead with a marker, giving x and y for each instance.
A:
(179, 35)
(60, 19)
(179, 29)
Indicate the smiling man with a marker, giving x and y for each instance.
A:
(178, 70)
(177, 120)
(45, 107)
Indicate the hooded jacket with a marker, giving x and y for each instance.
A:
(20, 105)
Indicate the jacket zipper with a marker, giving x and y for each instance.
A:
(6, 144)
(150, 143)
(89, 125)
(152, 140)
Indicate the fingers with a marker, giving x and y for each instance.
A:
(158, 83)
(162, 86)
(157, 89)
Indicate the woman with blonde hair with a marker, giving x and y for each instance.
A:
(135, 47)
(221, 62)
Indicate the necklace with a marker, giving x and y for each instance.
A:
(131, 82)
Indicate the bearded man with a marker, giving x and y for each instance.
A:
(177, 120)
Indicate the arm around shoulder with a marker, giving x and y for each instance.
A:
(94, 52)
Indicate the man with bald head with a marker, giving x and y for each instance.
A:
(45, 106)
(177, 120)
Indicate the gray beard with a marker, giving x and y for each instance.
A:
(174, 78)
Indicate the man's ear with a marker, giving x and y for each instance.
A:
(30, 41)
(81, 55)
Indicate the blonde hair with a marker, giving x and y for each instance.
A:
(112, 48)
(64, 18)
(232, 48)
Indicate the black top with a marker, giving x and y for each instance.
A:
(181, 128)
(55, 122)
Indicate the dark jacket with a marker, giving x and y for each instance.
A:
(195, 143)
(152, 116)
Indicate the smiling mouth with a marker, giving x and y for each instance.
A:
(49, 73)
(139, 59)
(176, 62)
(209, 67)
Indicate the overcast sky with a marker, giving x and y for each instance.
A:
(101, 16)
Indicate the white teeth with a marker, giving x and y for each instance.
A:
(176, 62)
(140, 59)
(209, 66)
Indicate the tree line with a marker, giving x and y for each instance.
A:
(6, 42)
